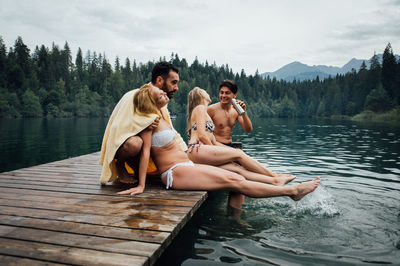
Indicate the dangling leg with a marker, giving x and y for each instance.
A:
(235, 202)
(205, 177)
(277, 181)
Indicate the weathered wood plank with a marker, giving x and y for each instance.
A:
(122, 246)
(87, 200)
(148, 197)
(157, 237)
(41, 178)
(150, 212)
(50, 183)
(78, 183)
(107, 190)
(17, 261)
(134, 221)
(66, 254)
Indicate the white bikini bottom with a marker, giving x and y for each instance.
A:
(168, 173)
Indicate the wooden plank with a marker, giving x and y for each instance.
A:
(122, 246)
(66, 254)
(87, 200)
(156, 212)
(108, 190)
(17, 261)
(147, 197)
(53, 181)
(68, 175)
(85, 229)
(41, 178)
(50, 183)
(140, 220)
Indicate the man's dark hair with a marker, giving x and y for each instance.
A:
(162, 69)
(230, 84)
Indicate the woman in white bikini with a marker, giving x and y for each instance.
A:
(178, 172)
(200, 130)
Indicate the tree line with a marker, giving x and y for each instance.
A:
(49, 82)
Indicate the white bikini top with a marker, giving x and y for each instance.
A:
(162, 137)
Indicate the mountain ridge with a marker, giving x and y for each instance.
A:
(300, 71)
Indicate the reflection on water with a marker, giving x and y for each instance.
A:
(352, 218)
(27, 142)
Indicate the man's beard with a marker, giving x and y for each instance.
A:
(170, 94)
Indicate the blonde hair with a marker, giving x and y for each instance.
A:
(195, 97)
(144, 101)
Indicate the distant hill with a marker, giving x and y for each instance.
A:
(300, 71)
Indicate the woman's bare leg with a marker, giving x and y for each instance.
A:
(219, 155)
(206, 177)
(280, 180)
(236, 200)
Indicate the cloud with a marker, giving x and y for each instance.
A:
(263, 35)
(385, 23)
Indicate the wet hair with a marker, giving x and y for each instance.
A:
(162, 69)
(230, 85)
(144, 101)
(195, 97)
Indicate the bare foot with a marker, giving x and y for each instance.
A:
(124, 176)
(282, 179)
(127, 180)
(305, 188)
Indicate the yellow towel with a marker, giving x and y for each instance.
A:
(123, 123)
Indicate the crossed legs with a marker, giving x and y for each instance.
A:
(277, 181)
(221, 155)
(206, 177)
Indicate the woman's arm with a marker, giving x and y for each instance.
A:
(144, 161)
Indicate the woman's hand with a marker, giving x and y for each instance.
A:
(192, 145)
(132, 191)
(154, 125)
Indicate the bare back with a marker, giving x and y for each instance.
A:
(198, 126)
(224, 121)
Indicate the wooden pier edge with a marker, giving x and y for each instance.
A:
(58, 213)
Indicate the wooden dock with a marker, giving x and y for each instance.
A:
(58, 213)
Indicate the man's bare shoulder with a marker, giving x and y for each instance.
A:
(214, 105)
(211, 109)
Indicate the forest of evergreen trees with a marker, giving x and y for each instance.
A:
(48, 82)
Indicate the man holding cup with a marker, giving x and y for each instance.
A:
(225, 113)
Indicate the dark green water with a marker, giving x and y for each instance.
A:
(353, 218)
(27, 142)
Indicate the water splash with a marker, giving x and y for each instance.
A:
(319, 203)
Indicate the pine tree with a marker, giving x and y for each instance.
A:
(22, 56)
(3, 64)
(389, 73)
(66, 66)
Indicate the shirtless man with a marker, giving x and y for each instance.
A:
(224, 115)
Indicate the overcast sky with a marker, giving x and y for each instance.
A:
(249, 35)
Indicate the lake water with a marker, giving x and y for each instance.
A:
(353, 218)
